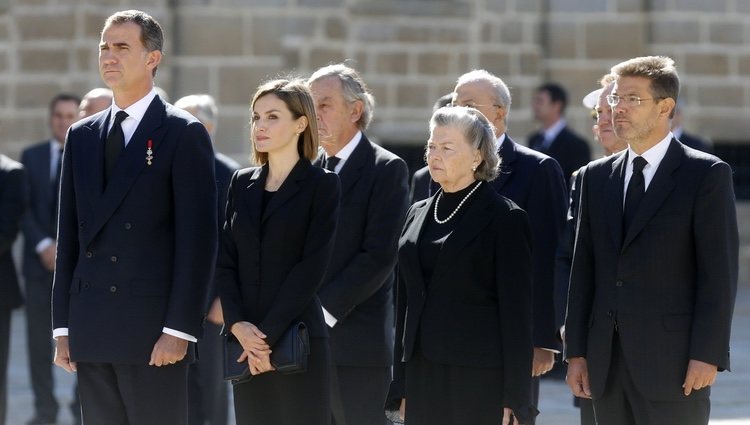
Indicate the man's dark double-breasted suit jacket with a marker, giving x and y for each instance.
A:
(535, 183)
(137, 255)
(668, 284)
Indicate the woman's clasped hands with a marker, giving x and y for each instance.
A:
(256, 352)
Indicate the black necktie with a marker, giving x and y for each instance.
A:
(56, 187)
(331, 163)
(635, 192)
(114, 145)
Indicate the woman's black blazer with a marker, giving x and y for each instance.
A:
(477, 310)
(272, 260)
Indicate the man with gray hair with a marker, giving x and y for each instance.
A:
(535, 182)
(207, 392)
(96, 100)
(357, 292)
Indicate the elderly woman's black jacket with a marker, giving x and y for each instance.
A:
(477, 311)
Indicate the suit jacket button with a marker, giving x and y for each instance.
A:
(113, 258)
(618, 283)
(609, 313)
(128, 226)
(113, 289)
(89, 254)
(85, 285)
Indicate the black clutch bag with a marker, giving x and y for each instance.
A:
(288, 356)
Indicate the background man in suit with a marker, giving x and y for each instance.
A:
(654, 273)
(688, 139)
(136, 239)
(555, 138)
(96, 100)
(12, 205)
(42, 162)
(357, 293)
(208, 400)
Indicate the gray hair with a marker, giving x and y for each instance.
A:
(477, 130)
(353, 89)
(204, 106)
(152, 35)
(501, 91)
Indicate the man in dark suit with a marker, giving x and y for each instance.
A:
(42, 162)
(535, 182)
(357, 293)
(12, 206)
(654, 273)
(555, 138)
(691, 140)
(137, 239)
(422, 186)
(208, 395)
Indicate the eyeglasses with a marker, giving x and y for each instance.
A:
(474, 105)
(630, 100)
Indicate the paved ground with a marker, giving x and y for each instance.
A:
(731, 394)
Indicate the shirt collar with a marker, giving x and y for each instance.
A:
(551, 133)
(499, 141)
(136, 110)
(347, 150)
(654, 154)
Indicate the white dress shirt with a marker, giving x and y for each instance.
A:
(653, 156)
(551, 133)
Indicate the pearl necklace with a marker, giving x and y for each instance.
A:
(440, 195)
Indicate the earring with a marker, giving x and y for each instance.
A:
(474, 168)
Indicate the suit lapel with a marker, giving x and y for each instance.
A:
(614, 196)
(475, 219)
(130, 163)
(508, 158)
(658, 190)
(410, 242)
(288, 188)
(352, 169)
(252, 196)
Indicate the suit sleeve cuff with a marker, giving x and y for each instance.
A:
(43, 244)
(59, 332)
(178, 334)
(330, 320)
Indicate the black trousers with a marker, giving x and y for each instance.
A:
(4, 348)
(39, 343)
(133, 394)
(208, 393)
(623, 404)
(357, 395)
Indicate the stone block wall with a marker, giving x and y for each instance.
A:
(410, 52)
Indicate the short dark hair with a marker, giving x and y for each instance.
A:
(557, 94)
(660, 70)
(63, 97)
(152, 35)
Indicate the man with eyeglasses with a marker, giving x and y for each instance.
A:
(654, 273)
(535, 182)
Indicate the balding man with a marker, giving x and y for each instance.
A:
(95, 101)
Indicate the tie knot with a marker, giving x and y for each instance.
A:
(331, 163)
(120, 117)
(638, 163)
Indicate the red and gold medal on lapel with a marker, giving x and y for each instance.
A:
(149, 152)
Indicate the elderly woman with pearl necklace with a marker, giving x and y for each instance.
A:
(463, 330)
